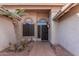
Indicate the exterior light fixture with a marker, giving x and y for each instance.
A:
(77, 14)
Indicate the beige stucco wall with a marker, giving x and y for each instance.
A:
(68, 31)
(7, 33)
(53, 27)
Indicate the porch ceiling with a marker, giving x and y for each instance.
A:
(54, 4)
(36, 10)
(32, 6)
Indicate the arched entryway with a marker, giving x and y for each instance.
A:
(42, 29)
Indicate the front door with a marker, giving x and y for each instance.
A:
(43, 32)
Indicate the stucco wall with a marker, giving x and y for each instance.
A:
(53, 27)
(52, 32)
(68, 31)
(7, 33)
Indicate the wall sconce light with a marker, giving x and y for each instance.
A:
(48, 25)
(77, 14)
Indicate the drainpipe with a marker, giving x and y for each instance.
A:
(64, 10)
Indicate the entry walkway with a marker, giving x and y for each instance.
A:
(41, 49)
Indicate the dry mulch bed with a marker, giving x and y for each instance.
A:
(24, 52)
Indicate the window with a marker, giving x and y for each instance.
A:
(28, 28)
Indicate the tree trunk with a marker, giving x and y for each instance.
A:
(17, 31)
